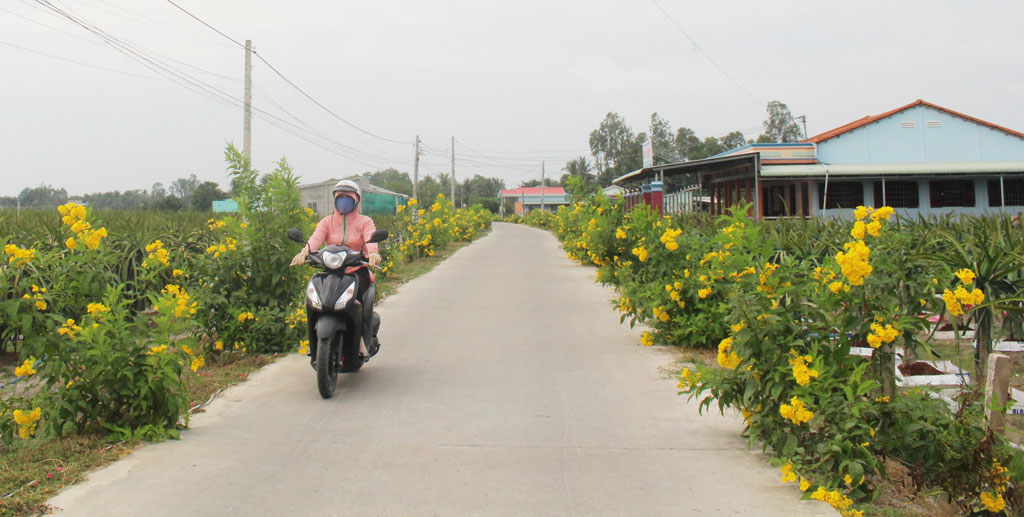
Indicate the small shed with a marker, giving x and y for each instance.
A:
(225, 205)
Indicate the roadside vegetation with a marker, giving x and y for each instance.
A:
(807, 321)
(115, 327)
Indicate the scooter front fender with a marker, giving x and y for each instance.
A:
(328, 324)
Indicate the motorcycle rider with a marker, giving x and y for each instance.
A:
(347, 227)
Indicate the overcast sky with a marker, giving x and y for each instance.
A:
(515, 82)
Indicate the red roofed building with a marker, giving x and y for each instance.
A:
(532, 198)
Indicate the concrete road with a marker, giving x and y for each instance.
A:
(505, 386)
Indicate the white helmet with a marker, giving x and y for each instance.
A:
(348, 186)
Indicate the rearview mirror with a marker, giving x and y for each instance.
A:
(296, 235)
(379, 235)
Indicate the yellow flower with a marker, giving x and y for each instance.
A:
(882, 213)
(620, 233)
(861, 212)
(219, 345)
(26, 369)
(796, 411)
(197, 363)
(156, 349)
(788, 476)
(804, 485)
(71, 243)
(27, 422)
(966, 276)
(858, 230)
(245, 316)
(847, 479)
(95, 309)
(739, 326)
(304, 346)
(801, 372)
(726, 357)
(40, 305)
(704, 293)
(177, 272)
(874, 228)
(647, 339)
(993, 503)
(952, 304)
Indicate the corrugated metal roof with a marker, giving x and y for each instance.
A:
(891, 169)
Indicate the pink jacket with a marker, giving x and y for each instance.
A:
(352, 230)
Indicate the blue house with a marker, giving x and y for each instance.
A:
(919, 159)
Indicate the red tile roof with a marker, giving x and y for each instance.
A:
(533, 191)
(867, 120)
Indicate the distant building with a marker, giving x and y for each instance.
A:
(921, 159)
(225, 205)
(375, 200)
(528, 199)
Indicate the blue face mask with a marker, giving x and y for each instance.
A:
(345, 204)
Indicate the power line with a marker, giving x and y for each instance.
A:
(289, 81)
(196, 85)
(73, 61)
(705, 54)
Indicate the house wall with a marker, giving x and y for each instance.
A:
(981, 204)
(886, 141)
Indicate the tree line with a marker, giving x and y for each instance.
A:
(617, 149)
(477, 190)
(182, 194)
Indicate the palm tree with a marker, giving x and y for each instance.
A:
(578, 167)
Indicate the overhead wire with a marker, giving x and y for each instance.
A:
(289, 81)
(197, 85)
(703, 53)
(73, 61)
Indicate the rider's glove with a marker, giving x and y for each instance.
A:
(374, 259)
(301, 257)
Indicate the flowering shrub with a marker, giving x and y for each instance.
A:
(784, 308)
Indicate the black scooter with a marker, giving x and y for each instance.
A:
(336, 320)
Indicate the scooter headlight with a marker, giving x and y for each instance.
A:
(333, 260)
(345, 297)
(313, 297)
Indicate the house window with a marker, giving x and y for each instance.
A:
(897, 194)
(945, 193)
(312, 206)
(1013, 192)
(841, 194)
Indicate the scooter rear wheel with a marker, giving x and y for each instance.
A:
(326, 375)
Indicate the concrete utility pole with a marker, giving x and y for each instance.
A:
(416, 172)
(247, 119)
(541, 186)
(453, 174)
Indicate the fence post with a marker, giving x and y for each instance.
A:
(998, 385)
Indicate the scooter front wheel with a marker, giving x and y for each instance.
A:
(326, 375)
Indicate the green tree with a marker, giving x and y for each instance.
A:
(733, 140)
(615, 147)
(663, 140)
(548, 182)
(182, 188)
(392, 180)
(578, 167)
(43, 196)
(205, 194)
(780, 126)
(687, 144)
(429, 189)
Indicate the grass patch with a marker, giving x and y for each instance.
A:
(221, 373)
(31, 474)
